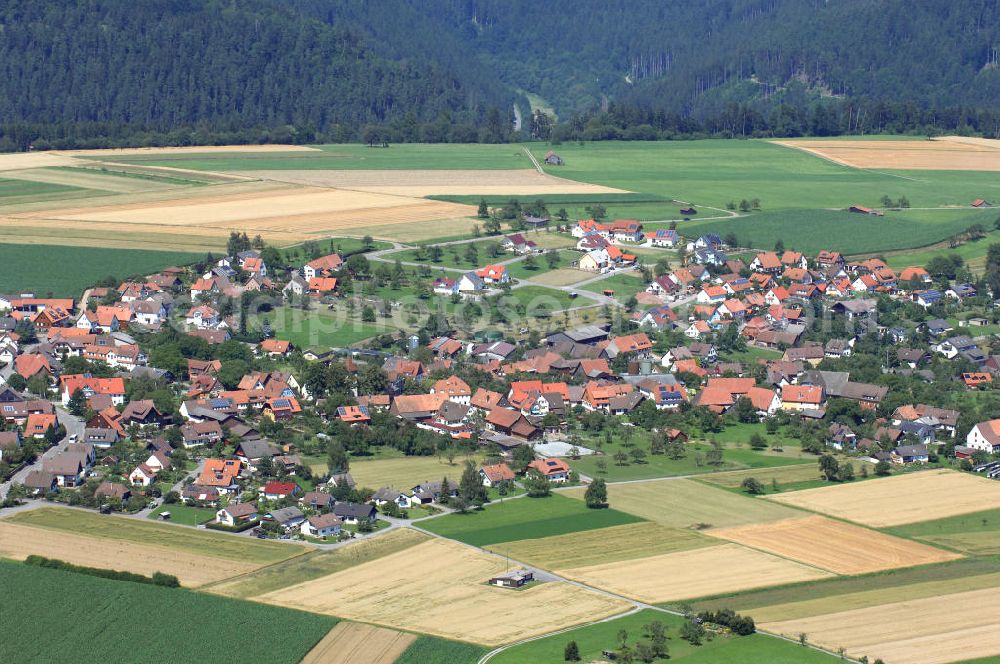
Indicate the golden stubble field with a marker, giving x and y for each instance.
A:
(931, 630)
(349, 642)
(834, 545)
(902, 499)
(948, 153)
(439, 587)
(694, 573)
(19, 542)
(419, 183)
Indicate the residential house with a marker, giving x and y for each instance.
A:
(554, 470)
(236, 514)
(322, 525)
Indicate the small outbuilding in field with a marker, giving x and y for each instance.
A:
(860, 209)
(552, 159)
(981, 203)
(515, 578)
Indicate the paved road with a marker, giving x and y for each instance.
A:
(74, 425)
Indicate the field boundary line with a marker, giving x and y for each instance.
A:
(538, 167)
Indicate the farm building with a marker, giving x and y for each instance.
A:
(552, 159)
(515, 578)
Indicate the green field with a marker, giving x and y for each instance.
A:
(977, 533)
(593, 639)
(29, 267)
(840, 230)
(340, 157)
(518, 270)
(432, 650)
(714, 172)
(973, 253)
(49, 613)
(525, 518)
(13, 192)
(200, 542)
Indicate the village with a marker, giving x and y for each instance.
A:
(152, 397)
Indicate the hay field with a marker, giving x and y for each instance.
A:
(317, 564)
(407, 472)
(696, 573)
(893, 501)
(438, 587)
(418, 183)
(16, 161)
(563, 277)
(19, 542)
(590, 547)
(799, 472)
(943, 154)
(91, 179)
(932, 630)
(353, 642)
(834, 545)
(685, 503)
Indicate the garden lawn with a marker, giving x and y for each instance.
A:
(48, 613)
(432, 650)
(183, 514)
(346, 157)
(525, 518)
(973, 253)
(518, 270)
(593, 639)
(624, 285)
(29, 267)
(539, 298)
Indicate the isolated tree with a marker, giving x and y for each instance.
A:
(484, 210)
(597, 494)
(744, 205)
(882, 468)
(829, 467)
(621, 458)
(779, 246)
(571, 653)
(885, 201)
(846, 472)
(530, 263)
(552, 258)
(445, 491)
(757, 441)
(337, 458)
(537, 485)
(470, 486)
(752, 486)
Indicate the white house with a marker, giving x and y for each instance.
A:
(985, 436)
(203, 317)
(321, 525)
(143, 475)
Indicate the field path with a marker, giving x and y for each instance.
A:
(538, 167)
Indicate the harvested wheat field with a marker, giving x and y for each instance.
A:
(696, 573)
(945, 154)
(349, 642)
(932, 630)
(893, 501)
(590, 547)
(436, 182)
(834, 545)
(19, 542)
(439, 587)
(282, 214)
(796, 472)
(19, 160)
(687, 504)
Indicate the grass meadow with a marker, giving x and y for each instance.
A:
(346, 157)
(189, 540)
(66, 271)
(48, 613)
(525, 518)
(593, 639)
